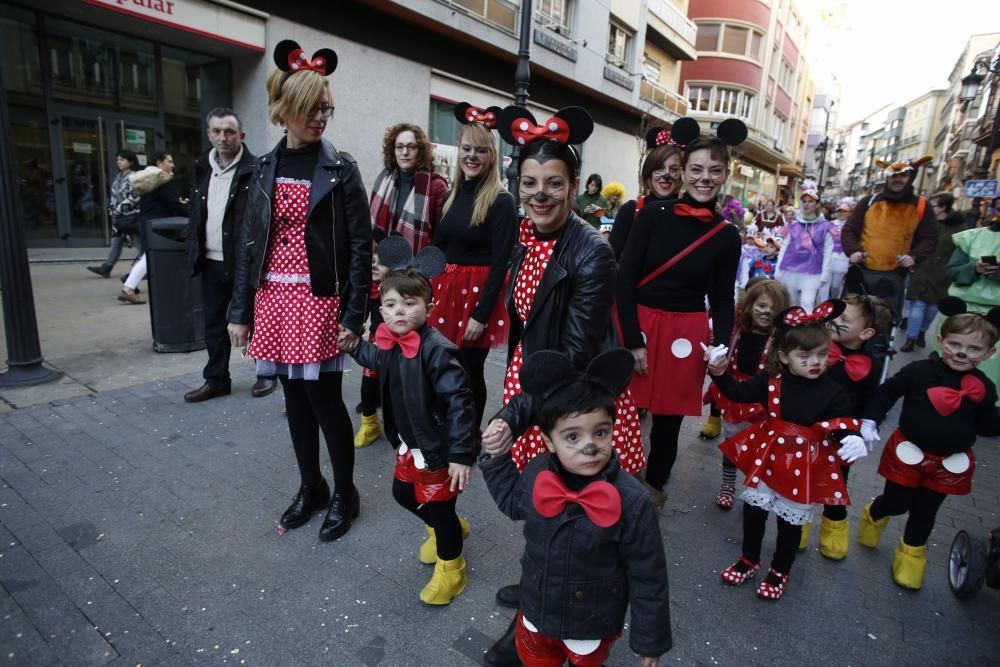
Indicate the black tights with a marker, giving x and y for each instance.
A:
(370, 397)
(754, 524)
(662, 449)
(921, 503)
(439, 515)
(474, 360)
(838, 512)
(313, 405)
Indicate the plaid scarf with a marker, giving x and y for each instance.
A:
(414, 224)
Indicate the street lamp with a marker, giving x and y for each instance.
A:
(971, 82)
(522, 77)
(970, 87)
(820, 150)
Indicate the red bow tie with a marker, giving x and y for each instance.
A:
(688, 211)
(524, 131)
(409, 343)
(857, 366)
(946, 400)
(599, 500)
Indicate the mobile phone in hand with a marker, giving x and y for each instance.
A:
(989, 259)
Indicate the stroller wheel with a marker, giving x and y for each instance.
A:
(966, 565)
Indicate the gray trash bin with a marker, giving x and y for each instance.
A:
(175, 308)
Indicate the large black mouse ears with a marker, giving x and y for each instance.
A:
(395, 253)
(546, 371)
(289, 57)
(952, 305)
(731, 131)
(571, 125)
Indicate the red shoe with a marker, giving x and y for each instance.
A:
(737, 573)
(769, 591)
(726, 495)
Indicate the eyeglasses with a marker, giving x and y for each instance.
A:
(661, 175)
(406, 148)
(325, 110)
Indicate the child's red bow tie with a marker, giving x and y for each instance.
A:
(409, 343)
(857, 366)
(600, 500)
(947, 400)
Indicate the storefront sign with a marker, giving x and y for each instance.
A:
(553, 43)
(135, 136)
(782, 180)
(196, 16)
(746, 171)
(615, 75)
(83, 149)
(986, 189)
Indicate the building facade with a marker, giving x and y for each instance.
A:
(751, 64)
(84, 78)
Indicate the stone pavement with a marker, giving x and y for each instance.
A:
(136, 529)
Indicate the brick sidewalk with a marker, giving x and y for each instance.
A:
(138, 529)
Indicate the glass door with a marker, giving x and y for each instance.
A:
(82, 186)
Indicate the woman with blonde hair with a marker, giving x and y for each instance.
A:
(303, 279)
(408, 194)
(476, 234)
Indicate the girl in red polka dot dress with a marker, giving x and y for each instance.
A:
(791, 459)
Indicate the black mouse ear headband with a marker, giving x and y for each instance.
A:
(731, 131)
(661, 136)
(952, 305)
(290, 58)
(798, 316)
(395, 253)
(571, 125)
(545, 372)
(465, 114)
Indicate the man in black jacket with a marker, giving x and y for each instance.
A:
(218, 200)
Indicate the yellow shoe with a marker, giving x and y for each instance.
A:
(428, 550)
(804, 541)
(447, 583)
(711, 429)
(833, 538)
(870, 531)
(908, 565)
(370, 431)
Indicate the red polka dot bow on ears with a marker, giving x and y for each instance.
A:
(947, 400)
(289, 57)
(600, 500)
(660, 136)
(465, 114)
(572, 125)
(798, 316)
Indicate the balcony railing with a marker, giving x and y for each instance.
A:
(675, 19)
(670, 101)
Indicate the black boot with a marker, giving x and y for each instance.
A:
(309, 499)
(510, 596)
(504, 652)
(339, 516)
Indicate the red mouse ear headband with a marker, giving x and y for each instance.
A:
(661, 136)
(465, 114)
(289, 57)
(798, 316)
(571, 125)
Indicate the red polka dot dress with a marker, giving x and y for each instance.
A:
(627, 435)
(292, 327)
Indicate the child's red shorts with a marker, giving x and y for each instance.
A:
(536, 650)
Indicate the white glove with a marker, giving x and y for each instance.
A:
(852, 448)
(869, 431)
(715, 353)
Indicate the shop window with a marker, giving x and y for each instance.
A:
(22, 70)
(81, 62)
(619, 45)
(707, 38)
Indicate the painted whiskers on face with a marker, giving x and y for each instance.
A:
(582, 442)
(964, 352)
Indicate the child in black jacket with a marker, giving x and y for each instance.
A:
(592, 543)
(429, 411)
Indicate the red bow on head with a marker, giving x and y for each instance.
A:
(554, 128)
(600, 500)
(663, 138)
(946, 400)
(483, 116)
(409, 343)
(297, 62)
(687, 211)
(857, 366)
(796, 317)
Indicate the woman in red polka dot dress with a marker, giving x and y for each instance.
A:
(303, 279)
(792, 458)
(476, 234)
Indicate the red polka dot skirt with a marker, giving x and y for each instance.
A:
(456, 295)
(291, 325)
(627, 435)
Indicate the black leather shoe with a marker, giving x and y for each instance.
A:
(205, 392)
(339, 516)
(504, 652)
(308, 500)
(101, 270)
(263, 386)
(510, 596)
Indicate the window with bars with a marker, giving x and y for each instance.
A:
(619, 45)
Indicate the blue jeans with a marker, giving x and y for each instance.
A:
(919, 318)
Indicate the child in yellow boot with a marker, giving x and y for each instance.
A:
(947, 402)
(371, 427)
(429, 409)
(853, 368)
(585, 519)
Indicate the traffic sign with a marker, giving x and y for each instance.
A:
(986, 189)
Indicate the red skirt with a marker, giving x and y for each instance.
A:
(798, 462)
(456, 293)
(907, 465)
(429, 486)
(676, 376)
(734, 413)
